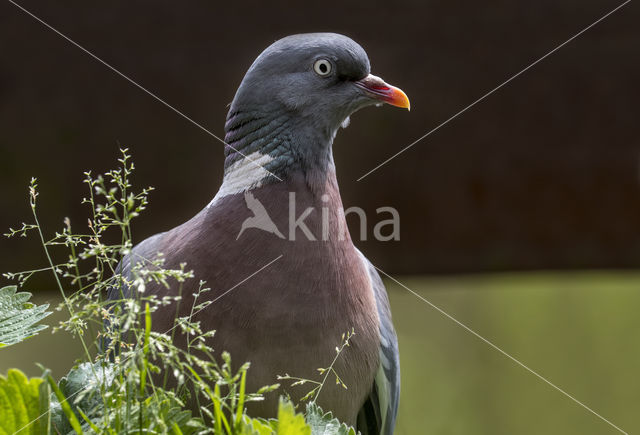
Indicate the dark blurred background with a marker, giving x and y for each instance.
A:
(542, 174)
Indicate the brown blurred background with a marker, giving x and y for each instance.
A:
(542, 174)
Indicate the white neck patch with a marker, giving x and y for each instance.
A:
(245, 174)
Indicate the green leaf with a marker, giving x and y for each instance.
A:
(18, 317)
(82, 386)
(325, 424)
(64, 404)
(254, 426)
(290, 423)
(20, 403)
(43, 425)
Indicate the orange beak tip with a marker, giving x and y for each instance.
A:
(378, 89)
(400, 99)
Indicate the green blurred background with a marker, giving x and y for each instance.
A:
(577, 329)
(519, 218)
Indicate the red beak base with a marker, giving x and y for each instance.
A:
(382, 91)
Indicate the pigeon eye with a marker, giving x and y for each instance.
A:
(322, 67)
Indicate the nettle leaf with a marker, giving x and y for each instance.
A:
(290, 423)
(324, 423)
(255, 426)
(21, 404)
(81, 387)
(18, 317)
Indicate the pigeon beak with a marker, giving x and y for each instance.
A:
(378, 89)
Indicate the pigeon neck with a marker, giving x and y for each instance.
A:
(263, 149)
(250, 133)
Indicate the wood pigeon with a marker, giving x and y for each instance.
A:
(279, 199)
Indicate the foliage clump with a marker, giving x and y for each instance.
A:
(144, 382)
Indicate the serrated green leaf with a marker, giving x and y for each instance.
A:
(325, 423)
(290, 423)
(82, 386)
(254, 426)
(20, 403)
(18, 317)
(64, 404)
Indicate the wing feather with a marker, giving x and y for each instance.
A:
(379, 413)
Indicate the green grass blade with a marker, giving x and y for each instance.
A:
(89, 422)
(176, 429)
(145, 348)
(240, 410)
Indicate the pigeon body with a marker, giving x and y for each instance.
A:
(260, 218)
(289, 317)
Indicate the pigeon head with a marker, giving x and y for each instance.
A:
(295, 96)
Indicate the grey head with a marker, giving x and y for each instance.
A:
(295, 96)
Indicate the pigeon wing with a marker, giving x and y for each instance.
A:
(379, 412)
